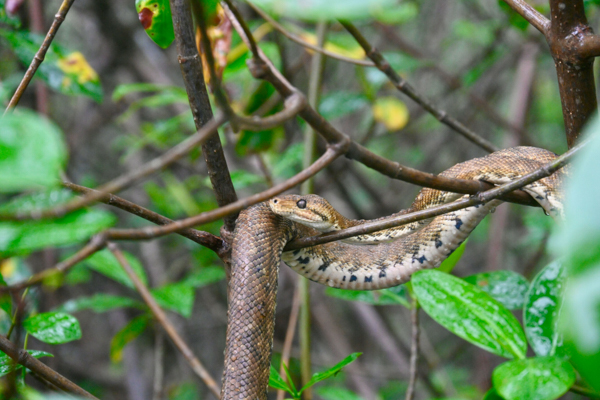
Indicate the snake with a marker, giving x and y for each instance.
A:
(366, 262)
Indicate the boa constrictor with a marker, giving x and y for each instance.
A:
(263, 230)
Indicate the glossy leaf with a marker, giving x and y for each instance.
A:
(319, 376)
(32, 152)
(540, 378)
(508, 287)
(53, 327)
(339, 103)
(105, 263)
(492, 394)
(100, 302)
(155, 17)
(317, 10)
(393, 295)
(470, 313)
(540, 314)
(7, 365)
(176, 297)
(63, 70)
(129, 332)
(277, 382)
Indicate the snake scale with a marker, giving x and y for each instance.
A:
(263, 230)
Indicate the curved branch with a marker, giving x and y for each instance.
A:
(292, 106)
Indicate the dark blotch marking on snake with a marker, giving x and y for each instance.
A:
(369, 278)
(438, 243)
(296, 252)
(421, 259)
(344, 278)
(303, 260)
(324, 266)
(353, 278)
(458, 223)
(382, 274)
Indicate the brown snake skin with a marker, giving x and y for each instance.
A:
(261, 235)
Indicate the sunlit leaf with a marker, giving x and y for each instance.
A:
(155, 17)
(129, 332)
(24, 237)
(508, 287)
(32, 152)
(53, 327)
(63, 70)
(391, 112)
(540, 314)
(540, 378)
(470, 313)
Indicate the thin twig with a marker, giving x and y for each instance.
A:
(414, 350)
(125, 180)
(402, 85)
(289, 339)
(95, 244)
(303, 43)
(22, 357)
(162, 319)
(40, 54)
(405, 218)
(532, 15)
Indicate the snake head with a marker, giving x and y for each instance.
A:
(310, 210)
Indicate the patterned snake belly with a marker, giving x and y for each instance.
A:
(263, 230)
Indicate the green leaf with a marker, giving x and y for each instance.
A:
(184, 391)
(204, 276)
(63, 70)
(5, 298)
(129, 332)
(177, 297)
(24, 237)
(470, 313)
(105, 263)
(11, 20)
(7, 365)
(100, 302)
(449, 263)
(540, 378)
(319, 376)
(155, 17)
(492, 395)
(277, 382)
(53, 327)
(32, 152)
(340, 103)
(514, 18)
(336, 393)
(318, 10)
(540, 314)
(393, 295)
(508, 287)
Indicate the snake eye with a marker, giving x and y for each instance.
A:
(301, 203)
(275, 201)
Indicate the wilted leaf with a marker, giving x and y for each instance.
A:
(155, 17)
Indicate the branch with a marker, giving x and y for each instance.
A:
(532, 16)
(25, 359)
(414, 350)
(125, 180)
(403, 218)
(402, 85)
(262, 68)
(205, 239)
(41, 54)
(162, 319)
(303, 43)
(193, 78)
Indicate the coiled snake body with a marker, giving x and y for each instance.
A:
(263, 230)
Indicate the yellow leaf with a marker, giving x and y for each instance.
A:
(355, 52)
(8, 267)
(76, 64)
(391, 112)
